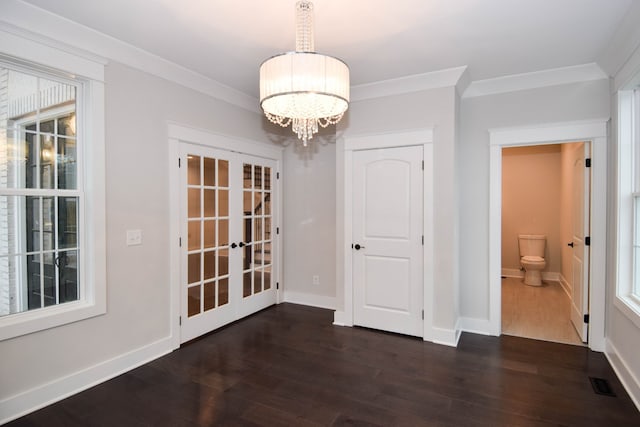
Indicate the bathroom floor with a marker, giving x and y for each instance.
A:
(541, 313)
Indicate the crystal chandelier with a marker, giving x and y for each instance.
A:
(304, 88)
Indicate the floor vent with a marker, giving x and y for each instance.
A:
(601, 386)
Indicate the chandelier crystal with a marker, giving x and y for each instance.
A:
(304, 88)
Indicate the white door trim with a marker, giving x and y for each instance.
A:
(178, 133)
(344, 179)
(593, 131)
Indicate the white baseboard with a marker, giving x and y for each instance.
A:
(546, 275)
(339, 319)
(312, 300)
(54, 391)
(625, 375)
(476, 326)
(565, 285)
(449, 337)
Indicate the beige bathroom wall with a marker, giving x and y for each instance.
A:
(531, 201)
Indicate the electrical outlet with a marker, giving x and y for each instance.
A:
(134, 237)
(316, 280)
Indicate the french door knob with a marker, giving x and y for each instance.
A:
(241, 244)
(570, 244)
(233, 246)
(358, 247)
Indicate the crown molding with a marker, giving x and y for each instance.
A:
(537, 79)
(65, 34)
(414, 83)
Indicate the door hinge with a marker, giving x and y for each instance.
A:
(586, 318)
(179, 163)
(180, 320)
(180, 241)
(422, 314)
(277, 175)
(423, 165)
(587, 241)
(422, 240)
(587, 163)
(277, 230)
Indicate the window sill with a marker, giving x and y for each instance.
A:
(19, 324)
(629, 305)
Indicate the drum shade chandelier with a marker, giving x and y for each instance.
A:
(304, 88)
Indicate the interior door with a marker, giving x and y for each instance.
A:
(387, 239)
(227, 228)
(581, 227)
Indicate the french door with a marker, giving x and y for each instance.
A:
(227, 228)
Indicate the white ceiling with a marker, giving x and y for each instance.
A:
(227, 40)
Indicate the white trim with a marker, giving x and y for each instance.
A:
(625, 374)
(475, 326)
(536, 79)
(449, 337)
(593, 131)
(31, 400)
(23, 44)
(64, 33)
(413, 83)
(344, 162)
(311, 300)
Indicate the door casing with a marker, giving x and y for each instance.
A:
(177, 134)
(423, 137)
(594, 132)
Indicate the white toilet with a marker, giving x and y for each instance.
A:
(532, 257)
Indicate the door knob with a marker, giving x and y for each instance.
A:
(570, 244)
(358, 247)
(241, 244)
(233, 246)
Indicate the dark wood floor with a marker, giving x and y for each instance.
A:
(288, 366)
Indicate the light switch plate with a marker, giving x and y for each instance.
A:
(134, 237)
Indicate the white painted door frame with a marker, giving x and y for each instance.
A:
(423, 137)
(596, 133)
(177, 134)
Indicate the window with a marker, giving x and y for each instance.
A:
(40, 193)
(52, 262)
(628, 272)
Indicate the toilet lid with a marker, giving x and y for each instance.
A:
(532, 258)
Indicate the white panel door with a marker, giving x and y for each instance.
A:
(581, 226)
(227, 237)
(387, 239)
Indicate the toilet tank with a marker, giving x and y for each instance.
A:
(532, 244)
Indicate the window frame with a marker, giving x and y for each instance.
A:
(58, 62)
(627, 298)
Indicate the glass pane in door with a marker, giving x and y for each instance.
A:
(256, 229)
(208, 233)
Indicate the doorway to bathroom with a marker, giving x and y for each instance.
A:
(544, 258)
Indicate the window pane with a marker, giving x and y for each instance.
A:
(67, 125)
(209, 265)
(209, 171)
(223, 203)
(209, 234)
(267, 178)
(32, 224)
(47, 159)
(223, 262)
(48, 223)
(194, 268)
(209, 295)
(193, 170)
(67, 264)
(223, 292)
(209, 203)
(194, 203)
(223, 173)
(247, 176)
(35, 296)
(67, 160)
(193, 237)
(193, 306)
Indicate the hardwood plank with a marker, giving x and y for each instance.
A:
(288, 365)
